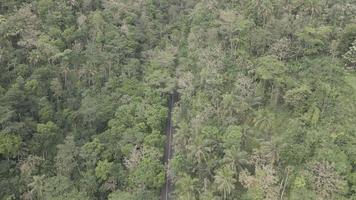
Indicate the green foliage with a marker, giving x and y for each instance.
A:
(315, 40)
(347, 37)
(121, 196)
(350, 56)
(259, 95)
(265, 107)
(269, 68)
(103, 169)
(149, 172)
(45, 136)
(186, 187)
(9, 145)
(298, 97)
(91, 152)
(224, 180)
(66, 158)
(59, 187)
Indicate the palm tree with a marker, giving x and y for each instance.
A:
(37, 186)
(313, 7)
(224, 179)
(264, 121)
(185, 187)
(199, 150)
(65, 71)
(261, 10)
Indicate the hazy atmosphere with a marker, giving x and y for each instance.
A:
(177, 99)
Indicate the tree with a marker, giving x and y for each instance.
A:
(121, 196)
(66, 159)
(315, 40)
(299, 190)
(37, 186)
(326, 181)
(261, 10)
(224, 179)
(262, 185)
(271, 72)
(91, 152)
(45, 137)
(103, 169)
(347, 37)
(149, 172)
(269, 68)
(186, 187)
(9, 145)
(350, 56)
(265, 104)
(160, 71)
(298, 97)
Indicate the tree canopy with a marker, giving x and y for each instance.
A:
(266, 107)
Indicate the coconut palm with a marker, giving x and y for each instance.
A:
(224, 180)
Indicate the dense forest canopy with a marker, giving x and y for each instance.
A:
(266, 110)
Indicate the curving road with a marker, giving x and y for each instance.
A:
(168, 150)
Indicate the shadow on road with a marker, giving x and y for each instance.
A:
(167, 188)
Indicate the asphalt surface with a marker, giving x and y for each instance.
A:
(167, 188)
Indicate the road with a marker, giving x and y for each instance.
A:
(167, 188)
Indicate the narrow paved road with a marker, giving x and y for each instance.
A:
(168, 150)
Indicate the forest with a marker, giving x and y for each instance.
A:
(266, 106)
